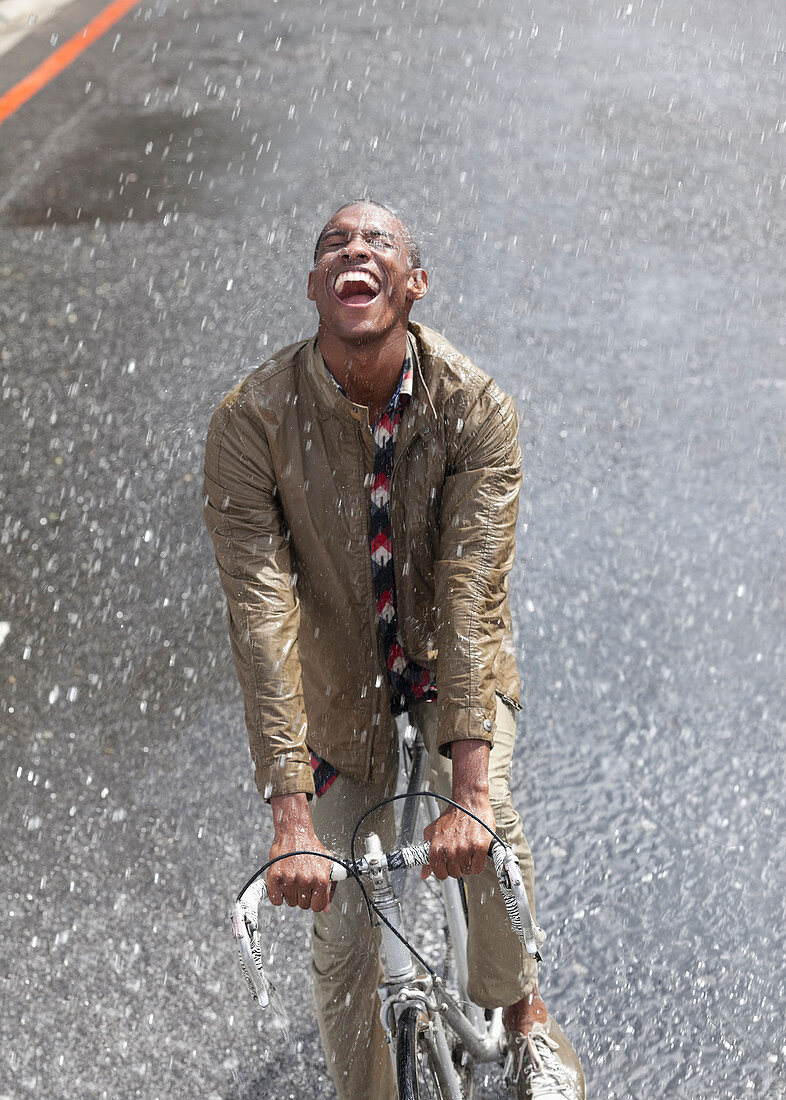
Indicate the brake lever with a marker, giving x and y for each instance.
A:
(515, 897)
(244, 918)
(248, 943)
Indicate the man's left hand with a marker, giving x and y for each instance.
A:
(459, 844)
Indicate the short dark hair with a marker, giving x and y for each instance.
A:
(412, 246)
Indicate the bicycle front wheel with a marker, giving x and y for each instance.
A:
(420, 1070)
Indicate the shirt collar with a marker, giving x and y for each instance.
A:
(405, 383)
(404, 389)
(407, 378)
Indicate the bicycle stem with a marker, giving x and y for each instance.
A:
(399, 965)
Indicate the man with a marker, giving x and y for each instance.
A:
(361, 491)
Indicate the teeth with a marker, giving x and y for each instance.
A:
(357, 277)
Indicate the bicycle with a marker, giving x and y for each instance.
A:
(435, 1033)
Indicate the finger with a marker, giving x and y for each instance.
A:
(455, 866)
(451, 864)
(470, 862)
(290, 891)
(320, 902)
(304, 899)
(320, 897)
(479, 861)
(456, 855)
(466, 859)
(438, 865)
(274, 895)
(425, 872)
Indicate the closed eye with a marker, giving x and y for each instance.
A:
(378, 238)
(332, 240)
(337, 238)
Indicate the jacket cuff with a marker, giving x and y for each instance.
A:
(285, 777)
(464, 724)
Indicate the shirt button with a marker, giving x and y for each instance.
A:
(488, 726)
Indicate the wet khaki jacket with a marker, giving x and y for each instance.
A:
(287, 503)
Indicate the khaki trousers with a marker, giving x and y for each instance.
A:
(346, 966)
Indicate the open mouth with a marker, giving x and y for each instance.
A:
(356, 288)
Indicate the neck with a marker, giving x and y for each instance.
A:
(368, 372)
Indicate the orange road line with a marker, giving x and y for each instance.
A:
(29, 85)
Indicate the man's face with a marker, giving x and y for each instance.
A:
(362, 283)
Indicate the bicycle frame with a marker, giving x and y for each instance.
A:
(415, 749)
(405, 987)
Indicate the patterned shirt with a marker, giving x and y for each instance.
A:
(408, 680)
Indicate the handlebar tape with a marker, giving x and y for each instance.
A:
(515, 897)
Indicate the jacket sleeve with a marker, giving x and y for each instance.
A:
(246, 524)
(477, 547)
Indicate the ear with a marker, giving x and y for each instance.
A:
(310, 291)
(417, 284)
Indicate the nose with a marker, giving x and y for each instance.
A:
(355, 248)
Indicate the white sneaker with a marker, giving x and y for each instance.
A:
(542, 1065)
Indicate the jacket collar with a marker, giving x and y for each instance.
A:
(329, 399)
(420, 417)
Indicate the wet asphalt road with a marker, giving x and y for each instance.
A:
(599, 192)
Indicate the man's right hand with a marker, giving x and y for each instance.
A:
(302, 881)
